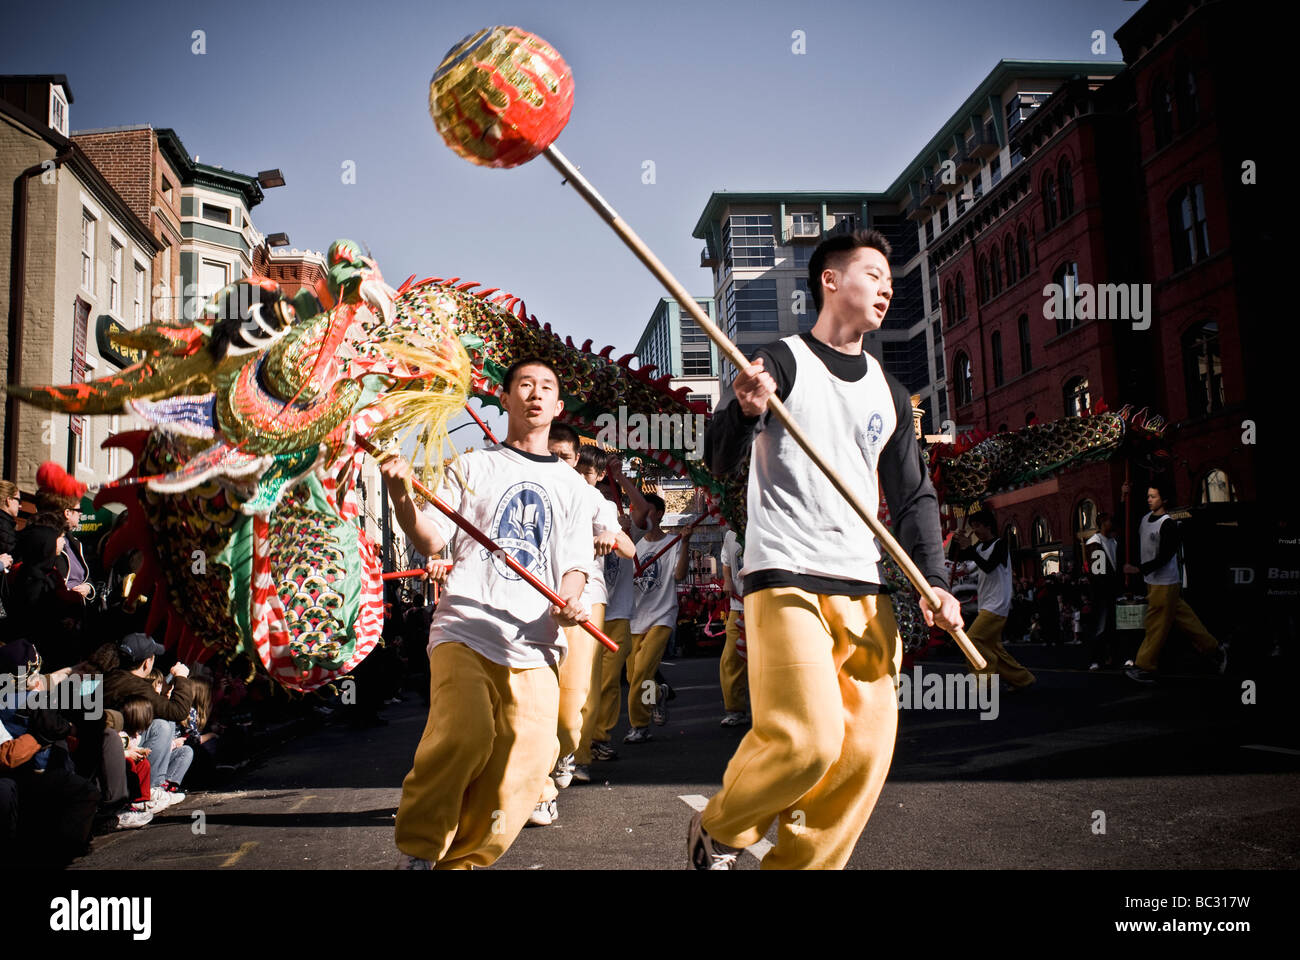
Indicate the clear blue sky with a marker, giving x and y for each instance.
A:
(709, 90)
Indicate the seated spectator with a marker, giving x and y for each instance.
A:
(137, 653)
(137, 715)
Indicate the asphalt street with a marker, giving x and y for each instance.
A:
(1182, 775)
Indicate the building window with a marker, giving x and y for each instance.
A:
(697, 356)
(87, 251)
(1065, 187)
(58, 112)
(995, 272)
(216, 214)
(115, 279)
(961, 297)
(1162, 110)
(804, 225)
(704, 398)
(1189, 232)
(962, 387)
(167, 190)
(1066, 278)
(1217, 488)
(1048, 189)
(1085, 517)
(1026, 362)
(982, 279)
(1042, 532)
(1204, 369)
(844, 222)
(906, 360)
(1011, 534)
(936, 334)
(1077, 400)
(949, 305)
(212, 277)
(751, 306)
(114, 458)
(943, 217)
(808, 318)
(1187, 107)
(1022, 248)
(1009, 256)
(803, 255)
(995, 169)
(138, 310)
(747, 241)
(996, 351)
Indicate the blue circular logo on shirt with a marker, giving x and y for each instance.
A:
(875, 428)
(522, 528)
(647, 579)
(611, 569)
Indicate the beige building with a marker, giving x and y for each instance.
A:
(84, 259)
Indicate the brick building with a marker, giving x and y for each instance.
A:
(74, 254)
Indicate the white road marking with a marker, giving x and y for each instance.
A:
(1264, 746)
(698, 803)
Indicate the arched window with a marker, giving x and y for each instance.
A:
(961, 296)
(995, 272)
(1085, 516)
(1026, 360)
(1011, 534)
(962, 388)
(1009, 255)
(1042, 532)
(949, 305)
(1217, 488)
(1189, 230)
(995, 348)
(1162, 111)
(1077, 400)
(1185, 77)
(982, 279)
(1203, 368)
(1022, 245)
(1065, 187)
(1066, 277)
(1048, 187)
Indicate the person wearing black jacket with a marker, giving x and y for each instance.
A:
(824, 648)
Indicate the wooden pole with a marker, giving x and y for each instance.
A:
(775, 406)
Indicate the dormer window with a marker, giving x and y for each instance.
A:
(58, 110)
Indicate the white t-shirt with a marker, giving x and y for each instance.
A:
(1149, 534)
(1107, 545)
(733, 558)
(656, 586)
(618, 581)
(995, 586)
(537, 510)
(604, 517)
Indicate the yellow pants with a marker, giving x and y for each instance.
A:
(1166, 609)
(642, 664)
(576, 674)
(986, 634)
(482, 760)
(611, 670)
(731, 670)
(821, 685)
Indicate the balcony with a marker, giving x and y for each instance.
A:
(984, 145)
(805, 230)
(916, 211)
(932, 194)
(707, 259)
(969, 163)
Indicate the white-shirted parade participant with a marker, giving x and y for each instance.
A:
(731, 665)
(495, 644)
(823, 645)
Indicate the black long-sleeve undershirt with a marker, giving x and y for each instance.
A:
(904, 481)
(997, 558)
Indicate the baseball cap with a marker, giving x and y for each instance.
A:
(138, 647)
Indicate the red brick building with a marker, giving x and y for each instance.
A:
(1110, 264)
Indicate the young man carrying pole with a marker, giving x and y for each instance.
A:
(495, 644)
(823, 645)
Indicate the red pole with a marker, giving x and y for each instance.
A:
(482, 538)
(481, 424)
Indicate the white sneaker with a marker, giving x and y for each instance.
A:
(582, 772)
(563, 772)
(735, 718)
(544, 814)
(159, 799)
(638, 735)
(1094, 666)
(132, 818)
(408, 862)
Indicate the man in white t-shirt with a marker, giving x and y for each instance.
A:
(654, 615)
(731, 666)
(495, 643)
(581, 668)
